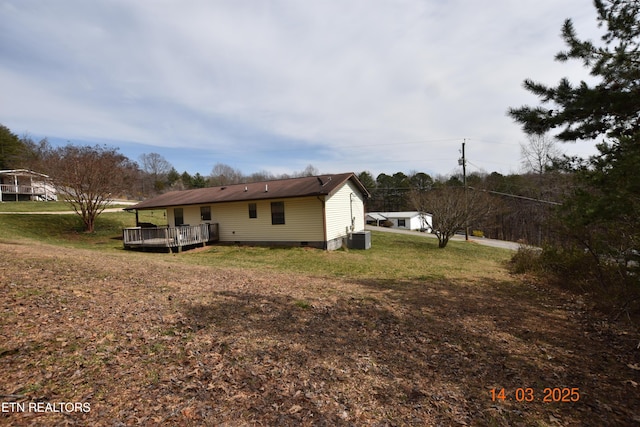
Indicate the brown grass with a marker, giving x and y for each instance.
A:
(146, 340)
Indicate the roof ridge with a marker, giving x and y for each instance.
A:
(305, 186)
(284, 179)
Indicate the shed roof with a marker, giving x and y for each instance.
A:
(274, 189)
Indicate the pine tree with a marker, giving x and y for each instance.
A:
(602, 214)
(611, 107)
(10, 148)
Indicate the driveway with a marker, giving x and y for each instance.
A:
(479, 240)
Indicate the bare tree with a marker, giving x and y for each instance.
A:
(262, 175)
(156, 168)
(310, 170)
(451, 208)
(33, 152)
(88, 177)
(223, 174)
(538, 153)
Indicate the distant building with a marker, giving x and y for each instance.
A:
(18, 185)
(412, 220)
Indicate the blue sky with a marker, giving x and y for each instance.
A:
(276, 85)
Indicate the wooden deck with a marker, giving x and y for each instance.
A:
(171, 238)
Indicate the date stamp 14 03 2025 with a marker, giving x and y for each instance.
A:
(528, 394)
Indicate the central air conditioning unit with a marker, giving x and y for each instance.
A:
(360, 240)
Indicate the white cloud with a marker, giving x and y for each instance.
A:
(378, 83)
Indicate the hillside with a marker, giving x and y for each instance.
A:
(152, 339)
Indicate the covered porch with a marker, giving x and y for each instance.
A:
(25, 185)
(169, 238)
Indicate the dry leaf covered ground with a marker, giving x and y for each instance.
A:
(140, 339)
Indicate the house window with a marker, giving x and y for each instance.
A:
(205, 213)
(277, 213)
(253, 210)
(178, 216)
(401, 223)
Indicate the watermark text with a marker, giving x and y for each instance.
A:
(55, 407)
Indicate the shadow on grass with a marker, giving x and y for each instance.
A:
(409, 352)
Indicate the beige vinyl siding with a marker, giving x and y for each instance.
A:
(303, 218)
(191, 215)
(303, 221)
(339, 208)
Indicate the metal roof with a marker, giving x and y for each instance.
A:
(320, 185)
(22, 172)
(376, 215)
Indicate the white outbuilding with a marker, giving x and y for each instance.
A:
(410, 220)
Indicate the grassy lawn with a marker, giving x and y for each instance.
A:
(34, 207)
(41, 206)
(392, 256)
(67, 229)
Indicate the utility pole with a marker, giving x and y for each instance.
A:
(463, 163)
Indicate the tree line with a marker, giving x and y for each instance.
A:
(514, 207)
(489, 206)
(89, 177)
(150, 175)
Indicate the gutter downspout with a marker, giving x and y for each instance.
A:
(353, 218)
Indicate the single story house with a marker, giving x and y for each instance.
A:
(412, 220)
(19, 185)
(319, 211)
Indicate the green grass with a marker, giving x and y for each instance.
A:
(392, 256)
(42, 206)
(65, 229)
(68, 229)
(34, 207)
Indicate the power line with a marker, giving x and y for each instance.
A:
(518, 197)
(463, 162)
(382, 144)
(496, 142)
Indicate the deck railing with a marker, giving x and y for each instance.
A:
(169, 237)
(37, 191)
(22, 189)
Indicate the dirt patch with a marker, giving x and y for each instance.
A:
(142, 340)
